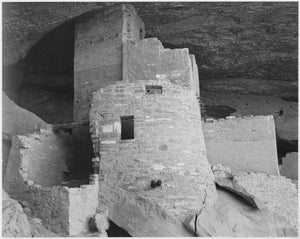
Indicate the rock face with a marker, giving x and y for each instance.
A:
(38, 230)
(231, 217)
(289, 166)
(14, 221)
(278, 194)
(266, 31)
(225, 179)
(18, 121)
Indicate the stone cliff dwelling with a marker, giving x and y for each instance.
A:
(106, 132)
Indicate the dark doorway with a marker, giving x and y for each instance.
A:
(127, 127)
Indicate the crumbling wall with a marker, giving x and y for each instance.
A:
(15, 121)
(168, 144)
(98, 52)
(98, 62)
(195, 75)
(47, 155)
(38, 159)
(148, 60)
(35, 165)
(83, 203)
(245, 144)
(51, 204)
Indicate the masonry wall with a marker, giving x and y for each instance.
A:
(168, 144)
(36, 162)
(195, 75)
(148, 60)
(245, 144)
(98, 52)
(63, 210)
(46, 155)
(83, 203)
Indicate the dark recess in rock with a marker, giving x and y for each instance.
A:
(291, 98)
(285, 146)
(218, 111)
(116, 231)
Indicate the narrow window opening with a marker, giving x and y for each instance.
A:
(127, 127)
(153, 89)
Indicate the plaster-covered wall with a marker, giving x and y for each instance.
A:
(168, 144)
(245, 144)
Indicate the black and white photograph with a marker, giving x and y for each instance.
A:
(149, 119)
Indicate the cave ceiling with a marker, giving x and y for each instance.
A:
(239, 47)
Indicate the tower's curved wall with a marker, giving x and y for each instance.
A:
(168, 145)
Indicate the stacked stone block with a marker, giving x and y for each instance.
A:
(34, 173)
(148, 60)
(99, 53)
(245, 144)
(168, 144)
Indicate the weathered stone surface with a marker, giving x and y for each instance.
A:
(47, 102)
(245, 144)
(266, 31)
(278, 194)
(249, 103)
(225, 179)
(101, 222)
(43, 157)
(34, 157)
(230, 217)
(83, 203)
(130, 165)
(25, 24)
(16, 120)
(14, 221)
(38, 230)
(289, 166)
(142, 218)
(98, 56)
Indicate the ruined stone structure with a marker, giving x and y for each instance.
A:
(157, 95)
(35, 172)
(149, 152)
(245, 144)
(98, 52)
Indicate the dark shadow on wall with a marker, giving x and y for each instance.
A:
(284, 147)
(42, 82)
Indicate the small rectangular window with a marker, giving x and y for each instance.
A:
(153, 89)
(127, 127)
